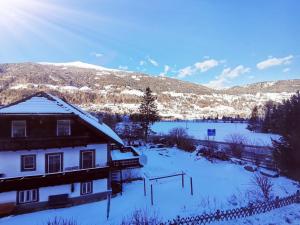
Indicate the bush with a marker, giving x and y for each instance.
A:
(179, 137)
(264, 186)
(236, 144)
(61, 221)
(141, 217)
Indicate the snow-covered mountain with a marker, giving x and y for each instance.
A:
(102, 89)
(78, 64)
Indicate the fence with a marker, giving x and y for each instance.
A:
(251, 209)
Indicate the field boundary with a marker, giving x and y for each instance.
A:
(230, 214)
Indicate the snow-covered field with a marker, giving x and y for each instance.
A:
(223, 131)
(216, 185)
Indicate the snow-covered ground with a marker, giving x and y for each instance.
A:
(219, 185)
(223, 131)
(284, 216)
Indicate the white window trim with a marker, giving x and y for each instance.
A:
(69, 131)
(60, 161)
(25, 192)
(93, 159)
(34, 162)
(12, 131)
(86, 185)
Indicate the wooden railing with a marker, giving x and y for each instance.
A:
(251, 209)
(125, 163)
(52, 179)
(42, 143)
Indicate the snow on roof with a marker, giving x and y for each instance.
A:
(34, 105)
(43, 103)
(118, 155)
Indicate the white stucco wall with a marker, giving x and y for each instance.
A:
(44, 192)
(10, 161)
(8, 197)
(98, 187)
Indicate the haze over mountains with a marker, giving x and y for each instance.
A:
(98, 88)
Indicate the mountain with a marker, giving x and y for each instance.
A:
(98, 88)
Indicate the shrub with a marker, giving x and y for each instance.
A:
(264, 186)
(179, 137)
(236, 144)
(141, 217)
(61, 221)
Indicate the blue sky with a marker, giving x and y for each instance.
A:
(219, 43)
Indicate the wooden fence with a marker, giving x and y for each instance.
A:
(251, 209)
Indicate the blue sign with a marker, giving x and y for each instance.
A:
(211, 132)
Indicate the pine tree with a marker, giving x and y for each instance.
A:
(267, 120)
(253, 123)
(287, 148)
(148, 112)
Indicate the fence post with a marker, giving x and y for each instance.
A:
(108, 206)
(250, 207)
(182, 179)
(277, 202)
(121, 181)
(218, 216)
(151, 194)
(145, 187)
(191, 181)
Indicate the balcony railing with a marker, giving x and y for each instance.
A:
(52, 179)
(118, 162)
(126, 163)
(42, 143)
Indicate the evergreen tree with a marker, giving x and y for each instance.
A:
(253, 123)
(148, 112)
(267, 123)
(287, 148)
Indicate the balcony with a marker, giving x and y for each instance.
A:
(29, 143)
(45, 180)
(126, 157)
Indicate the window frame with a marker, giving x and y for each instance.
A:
(23, 169)
(12, 128)
(69, 130)
(81, 158)
(27, 193)
(61, 162)
(84, 185)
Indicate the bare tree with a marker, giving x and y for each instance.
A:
(264, 185)
(236, 144)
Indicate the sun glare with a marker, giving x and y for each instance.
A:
(21, 19)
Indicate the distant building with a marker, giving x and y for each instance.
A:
(53, 154)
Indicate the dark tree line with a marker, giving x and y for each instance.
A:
(284, 119)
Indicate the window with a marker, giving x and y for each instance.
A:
(54, 162)
(28, 163)
(87, 159)
(86, 188)
(27, 196)
(18, 128)
(63, 128)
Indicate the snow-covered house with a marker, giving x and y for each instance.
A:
(53, 154)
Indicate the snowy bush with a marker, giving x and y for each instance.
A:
(141, 217)
(61, 221)
(236, 144)
(179, 137)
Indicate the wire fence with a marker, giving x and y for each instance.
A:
(251, 209)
